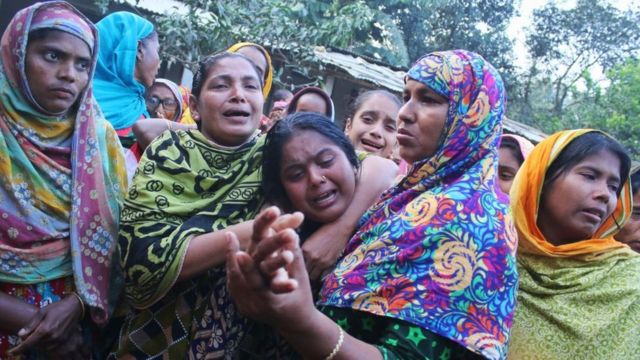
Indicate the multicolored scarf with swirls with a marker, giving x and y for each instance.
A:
(61, 175)
(438, 249)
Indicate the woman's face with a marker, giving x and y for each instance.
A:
(421, 121)
(257, 57)
(57, 68)
(161, 102)
(578, 202)
(317, 177)
(147, 61)
(312, 102)
(373, 127)
(230, 102)
(630, 233)
(508, 166)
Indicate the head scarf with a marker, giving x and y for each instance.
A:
(120, 95)
(61, 175)
(186, 118)
(175, 90)
(331, 111)
(524, 145)
(583, 298)
(268, 76)
(438, 249)
(525, 197)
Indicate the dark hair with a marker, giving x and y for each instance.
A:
(635, 181)
(281, 94)
(363, 97)
(149, 38)
(512, 145)
(279, 136)
(207, 63)
(582, 147)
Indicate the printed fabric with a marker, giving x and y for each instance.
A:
(438, 249)
(62, 175)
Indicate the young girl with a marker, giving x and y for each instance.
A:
(371, 127)
(630, 233)
(61, 183)
(513, 151)
(430, 273)
(312, 99)
(579, 294)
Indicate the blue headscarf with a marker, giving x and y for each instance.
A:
(120, 95)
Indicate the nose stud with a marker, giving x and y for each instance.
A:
(323, 179)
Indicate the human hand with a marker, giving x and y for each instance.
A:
(322, 248)
(52, 326)
(71, 349)
(283, 300)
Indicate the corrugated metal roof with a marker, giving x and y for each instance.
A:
(529, 132)
(160, 7)
(361, 69)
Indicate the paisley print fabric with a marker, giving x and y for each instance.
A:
(184, 186)
(61, 175)
(579, 300)
(438, 249)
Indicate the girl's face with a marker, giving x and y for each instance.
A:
(373, 127)
(578, 202)
(161, 102)
(630, 233)
(57, 68)
(312, 102)
(317, 177)
(257, 57)
(508, 166)
(230, 102)
(421, 121)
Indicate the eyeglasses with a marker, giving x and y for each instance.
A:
(169, 104)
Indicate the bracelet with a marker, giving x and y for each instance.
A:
(169, 125)
(81, 302)
(338, 346)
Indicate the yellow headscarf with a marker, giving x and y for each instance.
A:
(268, 76)
(525, 201)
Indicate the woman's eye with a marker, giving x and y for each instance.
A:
(51, 55)
(251, 86)
(588, 176)
(367, 120)
(614, 187)
(391, 128)
(326, 162)
(83, 65)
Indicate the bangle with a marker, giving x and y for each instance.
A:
(81, 302)
(169, 125)
(336, 348)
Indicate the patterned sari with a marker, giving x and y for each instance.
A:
(578, 300)
(62, 175)
(184, 186)
(438, 250)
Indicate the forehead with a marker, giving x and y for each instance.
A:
(62, 41)
(311, 97)
(380, 103)
(162, 90)
(303, 145)
(604, 161)
(254, 55)
(235, 67)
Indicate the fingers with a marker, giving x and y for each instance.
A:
(241, 269)
(272, 264)
(262, 223)
(281, 282)
(291, 221)
(286, 239)
(32, 339)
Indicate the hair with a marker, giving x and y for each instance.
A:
(281, 94)
(149, 38)
(365, 96)
(281, 133)
(205, 65)
(512, 145)
(582, 147)
(635, 181)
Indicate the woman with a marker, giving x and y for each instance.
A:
(147, 131)
(164, 100)
(630, 233)
(431, 270)
(513, 151)
(312, 99)
(371, 127)
(190, 188)
(128, 61)
(579, 294)
(61, 182)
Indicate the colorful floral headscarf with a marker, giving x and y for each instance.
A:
(119, 94)
(438, 249)
(61, 175)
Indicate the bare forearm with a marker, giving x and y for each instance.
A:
(146, 130)
(318, 337)
(14, 313)
(209, 250)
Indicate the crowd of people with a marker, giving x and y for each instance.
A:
(142, 219)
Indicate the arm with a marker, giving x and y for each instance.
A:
(15, 313)
(146, 130)
(323, 247)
